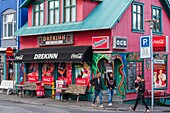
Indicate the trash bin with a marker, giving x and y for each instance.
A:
(40, 92)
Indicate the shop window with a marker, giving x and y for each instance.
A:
(53, 12)
(157, 15)
(65, 72)
(133, 69)
(137, 17)
(11, 70)
(38, 14)
(48, 74)
(32, 75)
(69, 10)
(9, 23)
(82, 72)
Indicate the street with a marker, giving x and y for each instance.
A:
(12, 107)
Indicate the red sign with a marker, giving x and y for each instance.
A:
(101, 42)
(159, 44)
(82, 81)
(48, 80)
(9, 51)
(32, 78)
(66, 79)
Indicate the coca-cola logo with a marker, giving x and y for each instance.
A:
(99, 43)
(20, 57)
(77, 56)
(31, 78)
(83, 81)
(47, 79)
(160, 41)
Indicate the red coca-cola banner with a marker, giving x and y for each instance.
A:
(32, 78)
(159, 43)
(48, 80)
(82, 81)
(66, 79)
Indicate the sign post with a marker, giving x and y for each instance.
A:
(9, 52)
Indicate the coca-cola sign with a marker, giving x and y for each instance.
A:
(32, 78)
(100, 42)
(48, 80)
(76, 56)
(159, 44)
(82, 81)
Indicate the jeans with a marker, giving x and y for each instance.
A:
(110, 95)
(140, 97)
(98, 93)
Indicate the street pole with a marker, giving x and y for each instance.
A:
(151, 25)
(152, 77)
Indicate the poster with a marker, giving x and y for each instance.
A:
(65, 72)
(82, 72)
(160, 76)
(22, 73)
(32, 75)
(48, 73)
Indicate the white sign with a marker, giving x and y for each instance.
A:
(145, 47)
(158, 61)
(120, 42)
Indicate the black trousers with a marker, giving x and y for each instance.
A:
(140, 97)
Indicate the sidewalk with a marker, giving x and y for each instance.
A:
(87, 104)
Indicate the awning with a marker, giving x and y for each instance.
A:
(57, 54)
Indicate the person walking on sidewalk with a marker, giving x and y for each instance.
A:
(110, 83)
(140, 88)
(96, 82)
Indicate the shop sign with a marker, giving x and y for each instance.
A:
(46, 56)
(82, 81)
(66, 79)
(76, 56)
(100, 42)
(32, 78)
(120, 42)
(20, 57)
(48, 80)
(158, 61)
(159, 44)
(58, 39)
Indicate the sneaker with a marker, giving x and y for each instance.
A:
(147, 111)
(101, 106)
(93, 105)
(110, 104)
(132, 109)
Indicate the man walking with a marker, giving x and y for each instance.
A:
(96, 82)
(140, 87)
(110, 83)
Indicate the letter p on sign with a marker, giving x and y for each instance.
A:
(145, 41)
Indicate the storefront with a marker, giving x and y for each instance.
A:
(71, 64)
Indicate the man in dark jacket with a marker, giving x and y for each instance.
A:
(97, 83)
(140, 88)
(110, 83)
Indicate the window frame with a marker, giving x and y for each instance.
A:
(160, 19)
(14, 23)
(70, 7)
(54, 9)
(142, 14)
(39, 11)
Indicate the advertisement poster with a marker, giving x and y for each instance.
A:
(32, 75)
(65, 72)
(48, 73)
(160, 77)
(22, 73)
(82, 72)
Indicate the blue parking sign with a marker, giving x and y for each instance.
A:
(145, 41)
(145, 47)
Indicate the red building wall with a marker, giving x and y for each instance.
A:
(123, 28)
